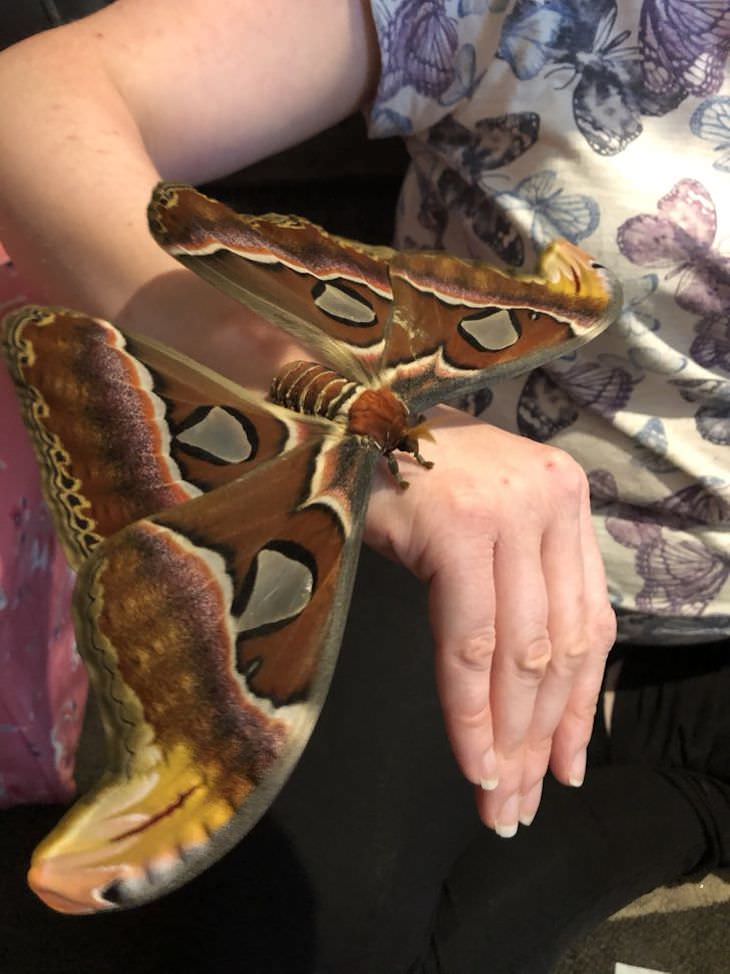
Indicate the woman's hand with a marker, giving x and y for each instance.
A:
(501, 531)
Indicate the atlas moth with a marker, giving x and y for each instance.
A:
(216, 532)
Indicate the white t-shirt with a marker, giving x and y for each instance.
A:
(606, 122)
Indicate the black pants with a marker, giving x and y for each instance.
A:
(373, 861)
(655, 806)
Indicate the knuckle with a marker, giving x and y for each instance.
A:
(534, 659)
(540, 745)
(476, 651)
(603, 629)
(569, 478)
(468, 508)
(571, 656)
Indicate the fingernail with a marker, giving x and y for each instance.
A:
(529, 804)
(490, 777)
(506, 824)
(578, 770)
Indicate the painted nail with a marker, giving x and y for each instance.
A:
(490, 776)
(506, 824)
(578, 770)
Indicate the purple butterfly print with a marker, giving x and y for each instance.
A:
(680, 575)
(702, 503)
(476, 402)
(712, 419)
(465, 78)
(681, 238)
(684, 45)
(603, 488)
(711, 347)
(713, 423)
(544, 409)
(606, 100)
(432, 212)
(480, 210)
(419, 45)
(466, 155)
(604, 386)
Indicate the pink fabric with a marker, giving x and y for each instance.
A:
(43, 681)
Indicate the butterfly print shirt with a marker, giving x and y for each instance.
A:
(606, 122)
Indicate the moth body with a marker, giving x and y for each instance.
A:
(378, 415)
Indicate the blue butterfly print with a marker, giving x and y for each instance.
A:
(544, 211)
(611, 94)
(465, 79)
(390, 122)
(539, 32)
(711, 121)
(652, 447)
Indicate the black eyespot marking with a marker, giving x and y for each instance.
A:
(114, 893)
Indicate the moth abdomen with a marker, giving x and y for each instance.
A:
(311, 388)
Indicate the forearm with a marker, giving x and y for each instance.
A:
(94, 114)
(76, 178)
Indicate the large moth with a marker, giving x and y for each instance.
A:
(216, 532)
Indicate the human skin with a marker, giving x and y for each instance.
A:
(92, 115)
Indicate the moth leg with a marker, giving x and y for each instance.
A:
(424, 463)
(393, 467)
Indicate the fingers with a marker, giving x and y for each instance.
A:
(576, 724)
(564, 568)
(554, 628)
(462, 618)
(518, 607)
(522, 658)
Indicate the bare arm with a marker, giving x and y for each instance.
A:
(93, 114)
